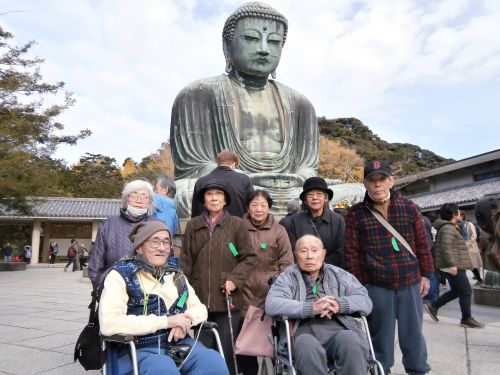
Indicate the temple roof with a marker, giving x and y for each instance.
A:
(462, 195)
(63, 207)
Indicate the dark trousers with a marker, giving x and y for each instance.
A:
(459, 288)
(404, 306)
(222, 321)
(71, 261)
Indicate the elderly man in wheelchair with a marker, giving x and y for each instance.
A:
(320, 299)
(148, 297)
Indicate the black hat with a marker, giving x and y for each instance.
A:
(213, 184)
(315, 183)
(377, 166)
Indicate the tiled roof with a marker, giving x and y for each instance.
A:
(58, 207)
(464, 163)
(462, 195)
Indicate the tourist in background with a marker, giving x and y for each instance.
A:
(53, 250)
(452, 257)
(165, 208)
(469, 234)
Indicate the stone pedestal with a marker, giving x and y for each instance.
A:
(483, 296)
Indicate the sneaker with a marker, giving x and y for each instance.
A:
(432, 311)
(471, 323)
(479, 282)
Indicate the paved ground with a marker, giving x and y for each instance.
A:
(43, 310)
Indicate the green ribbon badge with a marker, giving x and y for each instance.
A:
(395, 244)
(182, 300)
(315, 287)
(263, 245)
(233, 249)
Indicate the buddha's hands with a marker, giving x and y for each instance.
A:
(276, 180)
(326, 307)
(179, 325)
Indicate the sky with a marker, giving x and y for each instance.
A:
(425, 72)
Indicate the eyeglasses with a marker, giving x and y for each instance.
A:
(155, 243)
(139, 197)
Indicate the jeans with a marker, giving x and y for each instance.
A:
(8, 258)
(201, 361)
(433, 293)
(459, 288)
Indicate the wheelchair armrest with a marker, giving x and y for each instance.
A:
(119, 338)
(207, 325)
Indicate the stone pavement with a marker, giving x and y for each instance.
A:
(43, 310)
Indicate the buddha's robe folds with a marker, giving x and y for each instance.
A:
(206, 119)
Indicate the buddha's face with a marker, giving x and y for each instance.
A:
(256, 46)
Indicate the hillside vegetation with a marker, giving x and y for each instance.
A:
(406, 158)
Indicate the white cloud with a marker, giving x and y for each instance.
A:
(126, 61)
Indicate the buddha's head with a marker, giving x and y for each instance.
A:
(253, 37)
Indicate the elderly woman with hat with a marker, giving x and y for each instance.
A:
(111, 242)
(217, 257)
(319, 220)
(144, 296)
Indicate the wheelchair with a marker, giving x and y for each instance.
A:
(117, 340)
(283, 365)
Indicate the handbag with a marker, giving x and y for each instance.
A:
(89, 349)
(254, 338)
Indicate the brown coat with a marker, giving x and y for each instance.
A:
(270, 262)
(208, 262)
(450, 247)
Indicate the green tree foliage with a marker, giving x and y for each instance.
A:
(94, 176)
(405, 158)
(29, 132)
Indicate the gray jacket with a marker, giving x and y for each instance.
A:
(287, 296)
(112, 243)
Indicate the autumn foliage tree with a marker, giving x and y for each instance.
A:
(339, 162)
(29, 131)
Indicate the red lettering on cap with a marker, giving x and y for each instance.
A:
(376, 165)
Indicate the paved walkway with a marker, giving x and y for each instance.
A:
(43, 310)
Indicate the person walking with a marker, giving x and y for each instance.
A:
(452, 257)
(72, 252)
(394, 265)
(469, 234)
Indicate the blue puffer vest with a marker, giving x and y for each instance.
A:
(128, 269)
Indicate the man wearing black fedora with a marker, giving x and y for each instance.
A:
(319, 220)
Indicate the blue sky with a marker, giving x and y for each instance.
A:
(421, 72)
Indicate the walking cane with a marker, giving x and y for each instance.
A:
(229, 304)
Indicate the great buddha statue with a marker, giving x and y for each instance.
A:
(272, 127)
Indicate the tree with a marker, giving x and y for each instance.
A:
(152, 166)
(94, 176)
(29, 132)
(339, 162)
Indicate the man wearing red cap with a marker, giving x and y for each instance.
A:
(386, 248)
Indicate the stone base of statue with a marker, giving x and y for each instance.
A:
(488, 293)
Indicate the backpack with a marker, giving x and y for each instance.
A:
(71, 252)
